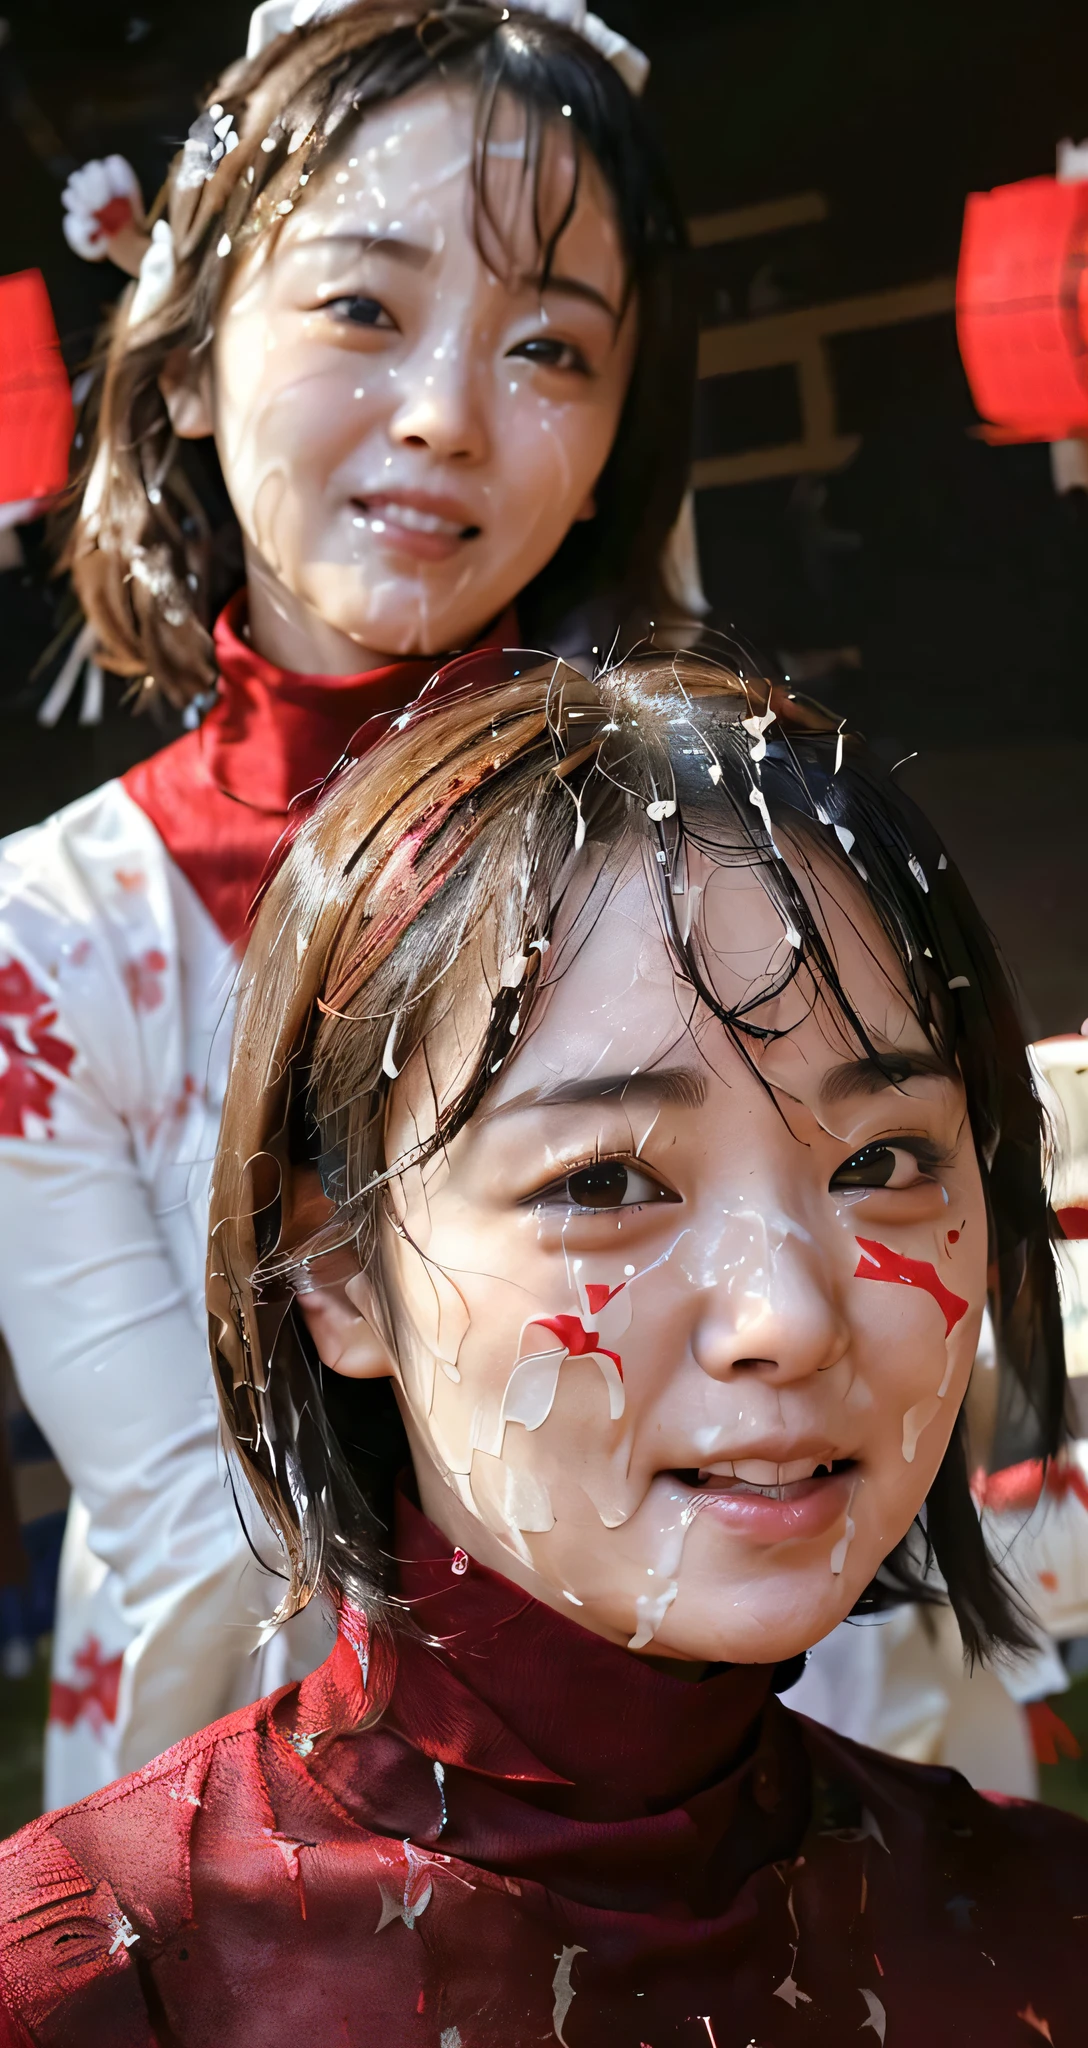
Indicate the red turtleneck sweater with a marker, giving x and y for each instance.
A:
(544, 1839)
(224, 797)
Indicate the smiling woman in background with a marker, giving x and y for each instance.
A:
(406, 360)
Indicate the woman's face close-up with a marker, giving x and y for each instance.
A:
(682, 1334)
(407, 436)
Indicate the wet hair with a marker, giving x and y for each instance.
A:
(449, 850)
(155, 550)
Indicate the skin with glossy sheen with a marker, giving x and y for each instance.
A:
(407, 436)
(724, 1425)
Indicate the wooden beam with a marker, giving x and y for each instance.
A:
(793, 458)
(769, 217)
(778, 338)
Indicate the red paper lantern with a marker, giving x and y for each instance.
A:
(35, 397)
(1022, 308)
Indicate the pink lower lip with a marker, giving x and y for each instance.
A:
(814, 1507)
(407, 540)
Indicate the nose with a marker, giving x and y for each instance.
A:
(441, 409)
(770, 1313)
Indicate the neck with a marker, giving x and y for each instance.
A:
(291, 635)
(466, 1532)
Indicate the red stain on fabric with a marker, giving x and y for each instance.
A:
(143, 979)
(28, 1044)
(1022, 1486)
(1031, 2018)
(1051, 1738)
(879, 1262)
(95, 1699)
(289, 1851)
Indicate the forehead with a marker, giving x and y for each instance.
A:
(408, 166)
(614, 1001)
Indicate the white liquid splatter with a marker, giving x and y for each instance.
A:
(651, 1608)
(838, 1554)
(915, 1421)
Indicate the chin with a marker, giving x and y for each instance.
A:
(759, 1626)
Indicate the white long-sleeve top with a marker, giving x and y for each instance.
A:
(121, 924)
(115, 998)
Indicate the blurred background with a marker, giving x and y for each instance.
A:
(854, 521)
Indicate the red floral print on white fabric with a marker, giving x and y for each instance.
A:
(143, 979)
(31, 1051)
(92, 1694)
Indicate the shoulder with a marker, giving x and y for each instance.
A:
(83, 1888)
(933, 1811)
(83, 861)
(99, 925)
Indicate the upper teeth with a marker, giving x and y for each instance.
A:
(412, 517)
(761, 1472)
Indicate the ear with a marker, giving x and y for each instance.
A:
(588, 508)
(188, 394)
(344, 1328)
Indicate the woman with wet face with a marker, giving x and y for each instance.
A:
(628, 1123)
(408, 362)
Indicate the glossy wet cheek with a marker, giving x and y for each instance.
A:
(531, 1440)
(287, 417)
(945, 1326)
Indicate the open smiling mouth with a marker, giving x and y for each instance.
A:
(734, 1478)
(384, 515)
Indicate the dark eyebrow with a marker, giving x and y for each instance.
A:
(575, 288)
(658, 1084)
(870, 1076)
(415, 254)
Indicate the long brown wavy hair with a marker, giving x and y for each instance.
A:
(447, 850)
(154, 549)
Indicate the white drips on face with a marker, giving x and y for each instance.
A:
(400, 467)
(839, 1550)
(915, 1421)
(753, 1345)
(676, 1513)
(924, 1412)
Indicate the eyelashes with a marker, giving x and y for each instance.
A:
(893, 1163)
(551, 353)
(604, 1184)
(358, 309)
(601, 1186)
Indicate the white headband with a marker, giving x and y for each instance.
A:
(277, 17)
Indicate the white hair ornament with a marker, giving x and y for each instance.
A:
(278, 17)
(156, 275)
(100, 199)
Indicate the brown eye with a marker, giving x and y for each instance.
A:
(605, 1184)
(358, 311)
(602, 1186)
(872, 1167)
(552, 354)
(906, 1165)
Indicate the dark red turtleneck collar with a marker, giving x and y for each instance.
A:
(543, 1839)
(222, 797)
(566, 1759)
